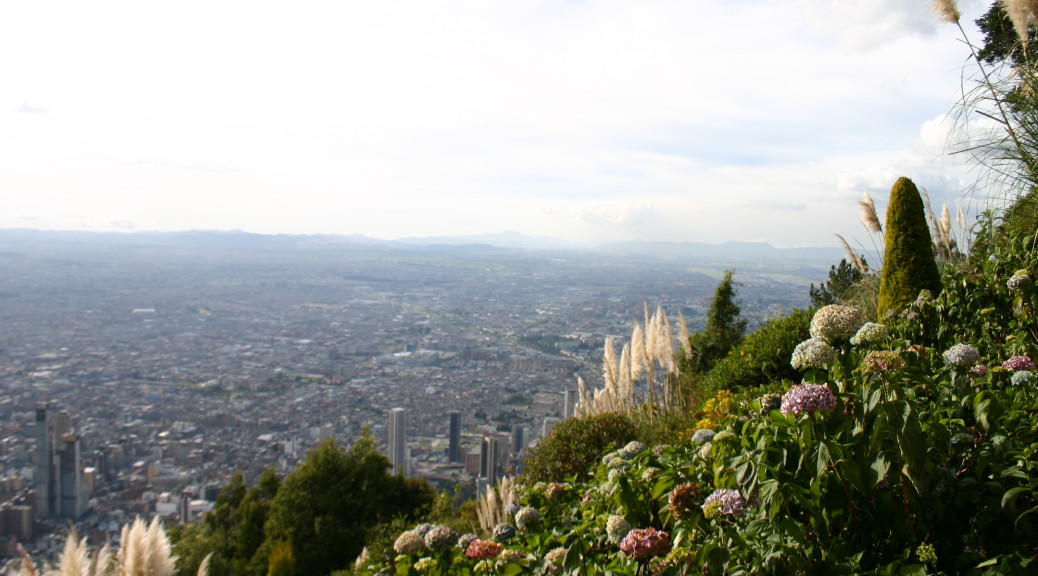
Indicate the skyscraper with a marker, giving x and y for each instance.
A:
(570, 404)
(58, 475)
(454, 447)
(397, 444)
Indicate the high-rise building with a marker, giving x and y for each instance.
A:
(397, 442)
(490, 458)
(518, 439)
(58, 476)
(454, 446)
(570, 404)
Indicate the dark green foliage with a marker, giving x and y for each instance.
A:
(1001, 41)
(232, 530)
(575, 445)
(908, 260)
(763, 356)
(842, 277)
(327, 505)
(723, 331)
(282, 561)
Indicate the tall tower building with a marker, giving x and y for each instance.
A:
(569, 405)
(58, 476)
(490, 458)
(454, 446)
(397, 444)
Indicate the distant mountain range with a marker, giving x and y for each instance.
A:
(734, 252)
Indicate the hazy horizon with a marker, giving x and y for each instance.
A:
(589, 121)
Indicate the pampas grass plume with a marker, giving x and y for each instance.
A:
(947, 11)
(869, 216)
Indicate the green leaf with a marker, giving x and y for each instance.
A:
(912, 570)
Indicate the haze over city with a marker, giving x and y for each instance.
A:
(589, 121)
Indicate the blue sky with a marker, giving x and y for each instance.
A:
(592, 121)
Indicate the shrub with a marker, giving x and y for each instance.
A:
(908, 261)
(763, 357)
(574, 447)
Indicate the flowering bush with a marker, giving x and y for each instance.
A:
(645, 543)
(1022, 377)
(1021, 279)
(961, 356)
(504, 532)
(683, 499)
(441, 538)
(834, 323)
(702, 436)
(870, 333)
(616, 528)
(527, 518)
(483, 549)
(812, 353)
(808, 398)
(1017, 363)
(724, 501)
(882, 361)
(409, 542)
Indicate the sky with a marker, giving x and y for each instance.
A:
(590, 121)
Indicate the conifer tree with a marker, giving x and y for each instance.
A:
(724, 328)
(908, 261)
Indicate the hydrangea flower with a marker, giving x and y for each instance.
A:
(961, 356)
(683, 498)
(511, 555)
(511, 509)
(1020, 279)
(769, 402)
(465, 539)
(616, 528)
(645, 543)
(723, 436)
(554, 489)
(553, 561)
(425, 565)
(835, 323)
(808, 398)
(705, 450)
(649, 473)
(870, 333)
(1017, 363)
(527, 518)
(631, 450)
(882, 361)
(409, 542)
(812, 353)
(726, 501)
(423, 529)
(504, 532)
(441, 537)
(702, 436)
(1022, 377)
(483, 549)
(979, 370)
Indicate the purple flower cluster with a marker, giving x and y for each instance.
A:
(645, 543)
(1017, 363)
(808, 398)
(726, 501)
(441, 537)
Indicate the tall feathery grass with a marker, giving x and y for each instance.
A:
(639, 381)
(144, 550)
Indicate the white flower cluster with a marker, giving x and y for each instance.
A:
(812, 353)
(1020, 279)
(835, 323)
(961, 356)
(870, 333)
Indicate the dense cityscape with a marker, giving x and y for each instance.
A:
(137, 373)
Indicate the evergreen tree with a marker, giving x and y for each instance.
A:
(908, 260)
(723, 331)
(842, 277)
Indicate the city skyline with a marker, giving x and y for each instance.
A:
(590, 121)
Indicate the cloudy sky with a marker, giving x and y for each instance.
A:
(594, 120)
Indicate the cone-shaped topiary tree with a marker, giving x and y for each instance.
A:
(908, 261)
